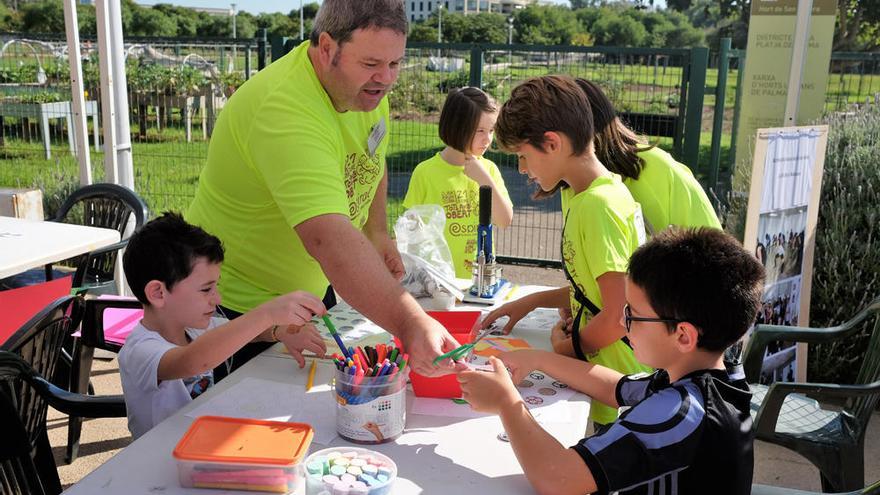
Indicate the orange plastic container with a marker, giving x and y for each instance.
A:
(243, 454)
(463, 326)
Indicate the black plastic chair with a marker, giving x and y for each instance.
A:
(26, 468)
(100, 205)
(872, 489)
(91, 338)
(833, 440)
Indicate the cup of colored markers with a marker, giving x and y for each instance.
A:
(370, 392)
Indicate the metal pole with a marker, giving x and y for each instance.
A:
(120, 97)
(108, 113)
(718, 116)
(439, 23)
(233, 21)
(301, 22)
(78, 120)
(798, 57)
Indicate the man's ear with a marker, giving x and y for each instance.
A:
(327, 48)
(156, 293)
(687, 337)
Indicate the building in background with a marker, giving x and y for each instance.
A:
(417, 10)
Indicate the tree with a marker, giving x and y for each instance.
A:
(473, 28)
(152, 22)
(10, 20)
(278, 24)
(613, 29)
(46, 16)
(422, 32)
(547, 25)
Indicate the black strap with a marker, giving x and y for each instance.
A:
(582, 299)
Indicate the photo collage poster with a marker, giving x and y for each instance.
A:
(780, 230)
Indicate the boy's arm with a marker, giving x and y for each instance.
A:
(215, 346)
(605, 328)
(549, 466)
(212, 347)
(598, 382)
(519, 308)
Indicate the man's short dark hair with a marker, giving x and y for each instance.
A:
(702, 276)
(166, 249)
(461, 115)
(341, 18)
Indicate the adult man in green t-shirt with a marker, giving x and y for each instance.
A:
(295, 182)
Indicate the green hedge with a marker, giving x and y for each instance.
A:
(847, 261)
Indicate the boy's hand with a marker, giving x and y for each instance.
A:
(521, 363)
(560, 339)
(516, 310)
(295, 308)
(298, 339)
(489, 391)
(475, 171)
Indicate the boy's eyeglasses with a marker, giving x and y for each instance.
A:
(628, 318)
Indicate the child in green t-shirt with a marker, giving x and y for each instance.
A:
(452, 178)
(548, 124)
(667, 190)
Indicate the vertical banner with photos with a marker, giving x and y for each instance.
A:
(781, 231)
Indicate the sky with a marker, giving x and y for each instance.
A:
(253, 6)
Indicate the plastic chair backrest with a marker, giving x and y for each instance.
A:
(18, 474)
(102, 205)
(862, 406)
(39, 343)
(21, 304)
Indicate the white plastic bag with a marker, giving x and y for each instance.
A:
(430, 276)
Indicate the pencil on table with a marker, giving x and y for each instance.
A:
(311, 379)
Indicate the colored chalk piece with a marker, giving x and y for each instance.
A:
(350, 455)
(330, 479)
(347, 478)
(316, 468)
(382, 478)
(359, 488)
(370, 469)
(341, 461)
(366, 478)
(334, 455)
(340, 489)
(337, 470)
(359, 462)
(384, 471)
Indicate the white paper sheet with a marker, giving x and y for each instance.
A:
(545, 397)
(254, 398)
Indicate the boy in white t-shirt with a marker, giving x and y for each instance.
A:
(173, 268)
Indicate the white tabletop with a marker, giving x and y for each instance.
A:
(433, 455)
(26, 244)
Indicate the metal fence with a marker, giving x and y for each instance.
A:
(682, 99)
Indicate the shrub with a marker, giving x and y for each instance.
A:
(847, 263)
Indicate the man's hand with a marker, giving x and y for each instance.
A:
(424, 343)
(489, 391)
(298, 339)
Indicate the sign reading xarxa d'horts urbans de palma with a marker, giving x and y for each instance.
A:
(768, 62)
